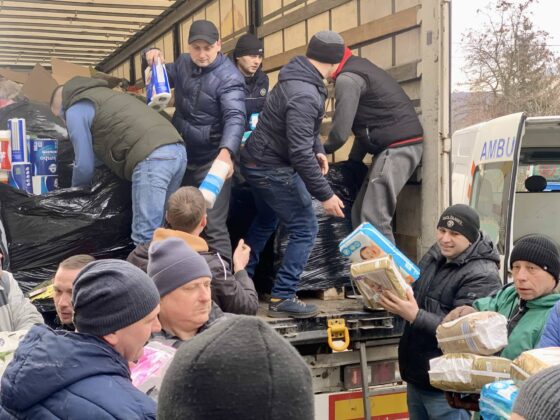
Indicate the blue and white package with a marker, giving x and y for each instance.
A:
(18, 143)
(43, 156)
(159, 90)
(497, 399)
(20, 177)
(245, 137)
(367, 243)
(43, 184)
(253, 120)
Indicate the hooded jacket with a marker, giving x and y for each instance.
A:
(288, 130)
(528, 330)
(551, 333)
(61, 374)
(234, 293)
(210, 106)
(124, 130)
(442, 286)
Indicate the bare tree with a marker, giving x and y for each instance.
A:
(510, 59)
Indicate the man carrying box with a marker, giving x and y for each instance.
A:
(459, 268)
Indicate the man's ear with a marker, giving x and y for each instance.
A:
(203, 221)
(219, 44)
(111, 339)
(166, 219)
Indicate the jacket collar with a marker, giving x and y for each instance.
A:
(195, 242)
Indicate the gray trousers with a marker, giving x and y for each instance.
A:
(216, 232)
(376, 201)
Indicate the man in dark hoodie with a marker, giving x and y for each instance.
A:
(459, 268)
(372, 105)
(248, 57)
(232, 288)
(134, 141)
(85, 374)
(284, 163)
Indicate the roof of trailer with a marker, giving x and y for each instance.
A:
(83, 32)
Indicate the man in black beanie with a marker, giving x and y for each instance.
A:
(85, 374)
(459, 268)
(371, 104)
(285, 164)
(248, 57)
(241, 369)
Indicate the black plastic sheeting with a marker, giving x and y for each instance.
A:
(326, 266)
(43, 230)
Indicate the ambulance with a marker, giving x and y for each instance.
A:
(508, 169)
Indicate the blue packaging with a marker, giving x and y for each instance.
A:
(159, 91)
(18, 140)
(366, 243)
(43, 156)
(253, 120)
(20, 177)
(43, 184)
(497, 399)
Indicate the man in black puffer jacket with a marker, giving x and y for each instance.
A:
(210, 115)
(371, 104)
(461, 267)
(284, 163)
(248, 57)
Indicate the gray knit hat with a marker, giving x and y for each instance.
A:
(109, 295)
(172, 263)
(539, 396)
(238, 369)
(326, 47)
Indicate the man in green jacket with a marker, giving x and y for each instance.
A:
(133, 140)
(535, 267)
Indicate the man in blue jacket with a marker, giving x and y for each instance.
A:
(285, 163)
(210, 115)
(85, 374)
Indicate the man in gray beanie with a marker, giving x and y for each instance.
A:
(285, 164)
(539, 397)
(85, 374)
(240, 369)
(182, 278)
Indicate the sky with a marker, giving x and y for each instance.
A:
(545, 17)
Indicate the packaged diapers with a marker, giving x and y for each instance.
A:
(467, 373)
(533, 361)
(483, 333)
(497, 399)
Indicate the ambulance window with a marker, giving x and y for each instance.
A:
(489, 198)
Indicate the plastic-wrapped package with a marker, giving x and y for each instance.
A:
(373, 276)
(326, 267)
(483, 333)
(497, 399)
(531, 362)
(43, 230)
(366, 243)
(148, 372)
(41, 123)
(465, 372)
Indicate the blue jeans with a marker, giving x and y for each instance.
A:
(154, 179)
(425, 404)
(281, 196)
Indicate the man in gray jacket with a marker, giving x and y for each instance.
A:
(16, 311)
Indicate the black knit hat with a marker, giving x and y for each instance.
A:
(538, 398)
(240, 368)
(539, 250)
(326, 47)
(248, 44)
(462, 219)
(109, 295)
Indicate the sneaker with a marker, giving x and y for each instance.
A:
(293, 308)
